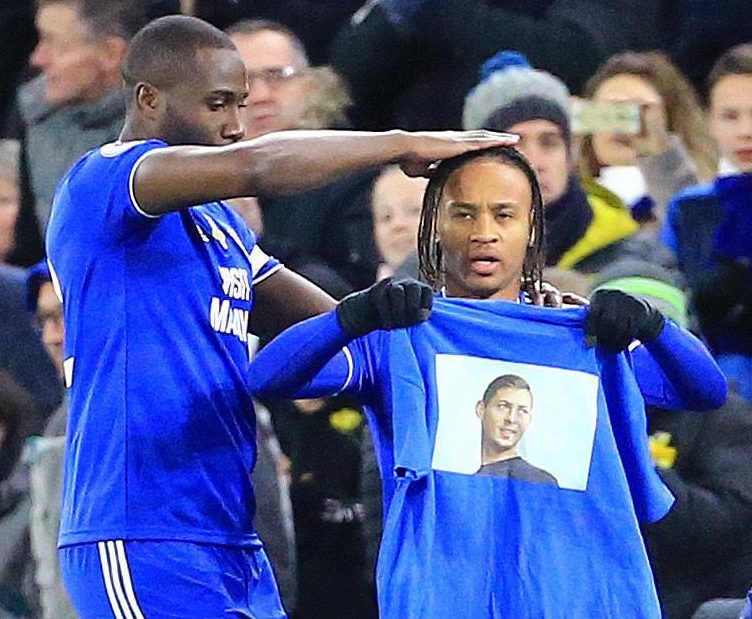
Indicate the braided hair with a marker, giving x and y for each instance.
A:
(430, 256)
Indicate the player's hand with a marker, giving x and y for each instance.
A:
(388, 304)
(425, 148)
(616, 318)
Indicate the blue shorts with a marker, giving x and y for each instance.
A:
(167, 579)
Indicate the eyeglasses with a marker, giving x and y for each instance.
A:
(274, 76)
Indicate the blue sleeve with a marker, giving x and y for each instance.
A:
(676, 371)
(309, 360)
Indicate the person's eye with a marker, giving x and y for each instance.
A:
(216, 106)
(274, 76)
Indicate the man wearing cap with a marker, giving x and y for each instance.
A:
(587, 226)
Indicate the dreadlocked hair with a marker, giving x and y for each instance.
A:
(429, 248)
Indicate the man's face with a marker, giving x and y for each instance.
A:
(731, 119)
(207, 108)
(49, 317)
(73, 62)
(278, 85)
(396, 202)
(483, 227)
(504, 419)
(542, 142)
(9, 206)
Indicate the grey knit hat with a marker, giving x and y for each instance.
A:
(511, 91)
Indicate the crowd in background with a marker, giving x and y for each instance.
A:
(662, 211)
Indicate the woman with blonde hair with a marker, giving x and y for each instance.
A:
(673, 148)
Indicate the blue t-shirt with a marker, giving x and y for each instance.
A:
(161, 429)
(465, 545)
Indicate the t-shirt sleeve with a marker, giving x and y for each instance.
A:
(96, 199)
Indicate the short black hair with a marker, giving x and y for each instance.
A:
(430, 255)
(163, 53)
(249, 27)
(736, 61)
(506, 381)
(107, 18)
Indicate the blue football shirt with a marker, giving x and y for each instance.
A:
(161, 429)
(457, 544)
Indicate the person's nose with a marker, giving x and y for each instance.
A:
(746, 125)
(258, 90)
(512, 415)
(399, 222)
(40, 55)
(53, 332)
(233, 128)
(535, 157)
(484, 228)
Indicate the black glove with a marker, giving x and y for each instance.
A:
(615, 318)
(388, 304)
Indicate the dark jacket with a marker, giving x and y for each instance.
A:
(326, 234)
(709, 229)
(416, 76)
(703, 548)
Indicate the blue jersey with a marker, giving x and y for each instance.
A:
(161, 429)
(464, 543)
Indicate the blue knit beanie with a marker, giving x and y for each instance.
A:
(511, 91)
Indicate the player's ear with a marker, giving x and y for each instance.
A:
(148, 98)
(480, 409)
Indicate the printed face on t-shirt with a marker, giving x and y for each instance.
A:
(505, 416)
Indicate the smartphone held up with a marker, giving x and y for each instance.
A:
(589, 117)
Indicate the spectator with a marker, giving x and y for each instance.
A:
(396, 201)
(9, 198)
(709, 228)
(586, 226)
(701, 549)
(672, 150)
(410, 62)
(44, 455)
(74, 105)
(21, 351)
(325, 234)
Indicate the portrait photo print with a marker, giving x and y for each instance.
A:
(516, 420)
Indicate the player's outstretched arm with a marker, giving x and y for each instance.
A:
(308, 354)
(287, 162)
